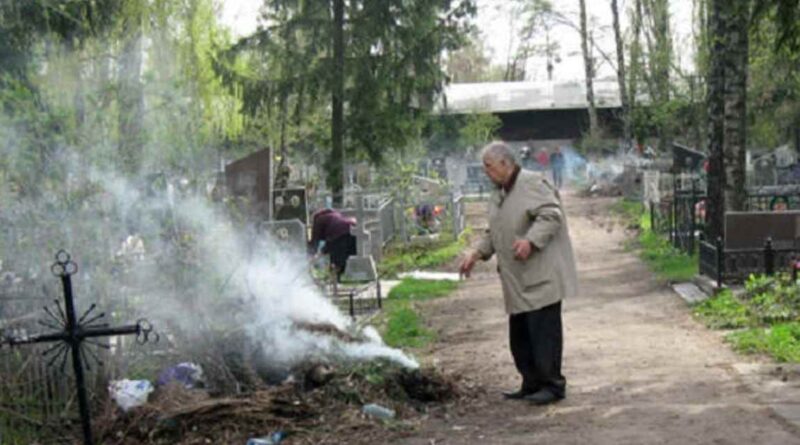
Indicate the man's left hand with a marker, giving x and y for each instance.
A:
(522, 249)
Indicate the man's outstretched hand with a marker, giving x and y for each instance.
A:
(468, 262)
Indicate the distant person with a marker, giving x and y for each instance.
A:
(330, 235)
(528, 235)
(542, 159)
(425, 218)
(557, 165)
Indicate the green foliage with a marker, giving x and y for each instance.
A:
(392, 72)
(780, 341)
(666, 261)
(414, 289)
(769, 308)
(773, 87)
(630, 211)
(404, 258)
(404, 326)
(724, 311)
(479, 129)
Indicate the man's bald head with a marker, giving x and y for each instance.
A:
(498, 162)
(498, 151)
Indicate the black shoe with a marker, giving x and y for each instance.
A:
(519, 394)
(543, 397)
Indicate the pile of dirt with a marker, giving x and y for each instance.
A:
(329, 411)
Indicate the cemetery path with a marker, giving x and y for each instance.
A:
(640, 370)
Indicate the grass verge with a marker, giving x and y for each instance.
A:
(667, 262)
(401, 258)
(766, 317)
(403, 326)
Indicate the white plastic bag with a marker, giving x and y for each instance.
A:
(130, 393)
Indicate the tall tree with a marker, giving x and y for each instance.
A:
(335, 166)
(715, 98)
(392, 69)
(472, 63)
(539, 20)
(737, 25)
(660, 57)
(588, 65)
(623, 93)
(131, 90)
(636, 68)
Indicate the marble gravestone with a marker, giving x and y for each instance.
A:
(288, 234)
(290, 203)
(651, 180)
(749, 230)
(361, 266)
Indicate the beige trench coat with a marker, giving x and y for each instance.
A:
(531, 210)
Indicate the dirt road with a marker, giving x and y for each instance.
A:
(640, 370)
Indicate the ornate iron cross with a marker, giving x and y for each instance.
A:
(72, 332)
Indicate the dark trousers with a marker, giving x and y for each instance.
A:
(537, 341)
(340, 249)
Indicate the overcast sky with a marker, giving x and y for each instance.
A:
(497, 24)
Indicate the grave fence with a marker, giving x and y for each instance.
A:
(734, 265)
(681, 218)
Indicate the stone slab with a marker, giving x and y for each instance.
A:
(690, 292)
(360, 269)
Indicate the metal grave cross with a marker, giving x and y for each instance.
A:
(72, 332)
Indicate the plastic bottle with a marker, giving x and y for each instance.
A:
(272, 439)
(378, 411)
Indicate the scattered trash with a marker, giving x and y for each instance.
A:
(272, 439)
(378, 411)
(188, 374)
(130, 393)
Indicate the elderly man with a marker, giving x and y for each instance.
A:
(528, 233)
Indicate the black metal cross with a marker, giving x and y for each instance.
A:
(73, 332)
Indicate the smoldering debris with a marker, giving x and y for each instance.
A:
(326, 413)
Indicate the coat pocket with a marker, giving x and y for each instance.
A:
(536, 271)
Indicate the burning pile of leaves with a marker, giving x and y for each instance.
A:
(315, 403)
(325, 406)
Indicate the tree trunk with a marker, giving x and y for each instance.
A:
(131, 95)
(715, 98)
(623, 96)
(661, 60)
(589, 68)
(737, 42)
(635, 63)
(336, 160)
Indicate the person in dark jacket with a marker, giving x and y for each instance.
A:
(557, 164)
(332, 229)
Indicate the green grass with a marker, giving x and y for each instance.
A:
(405, 328)
(654, 248)
(403, 325)
(630, 211)
(781, 341)
(666, 261)
(724, 311)
(401, 258)
(414, 289)
(767, 315)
